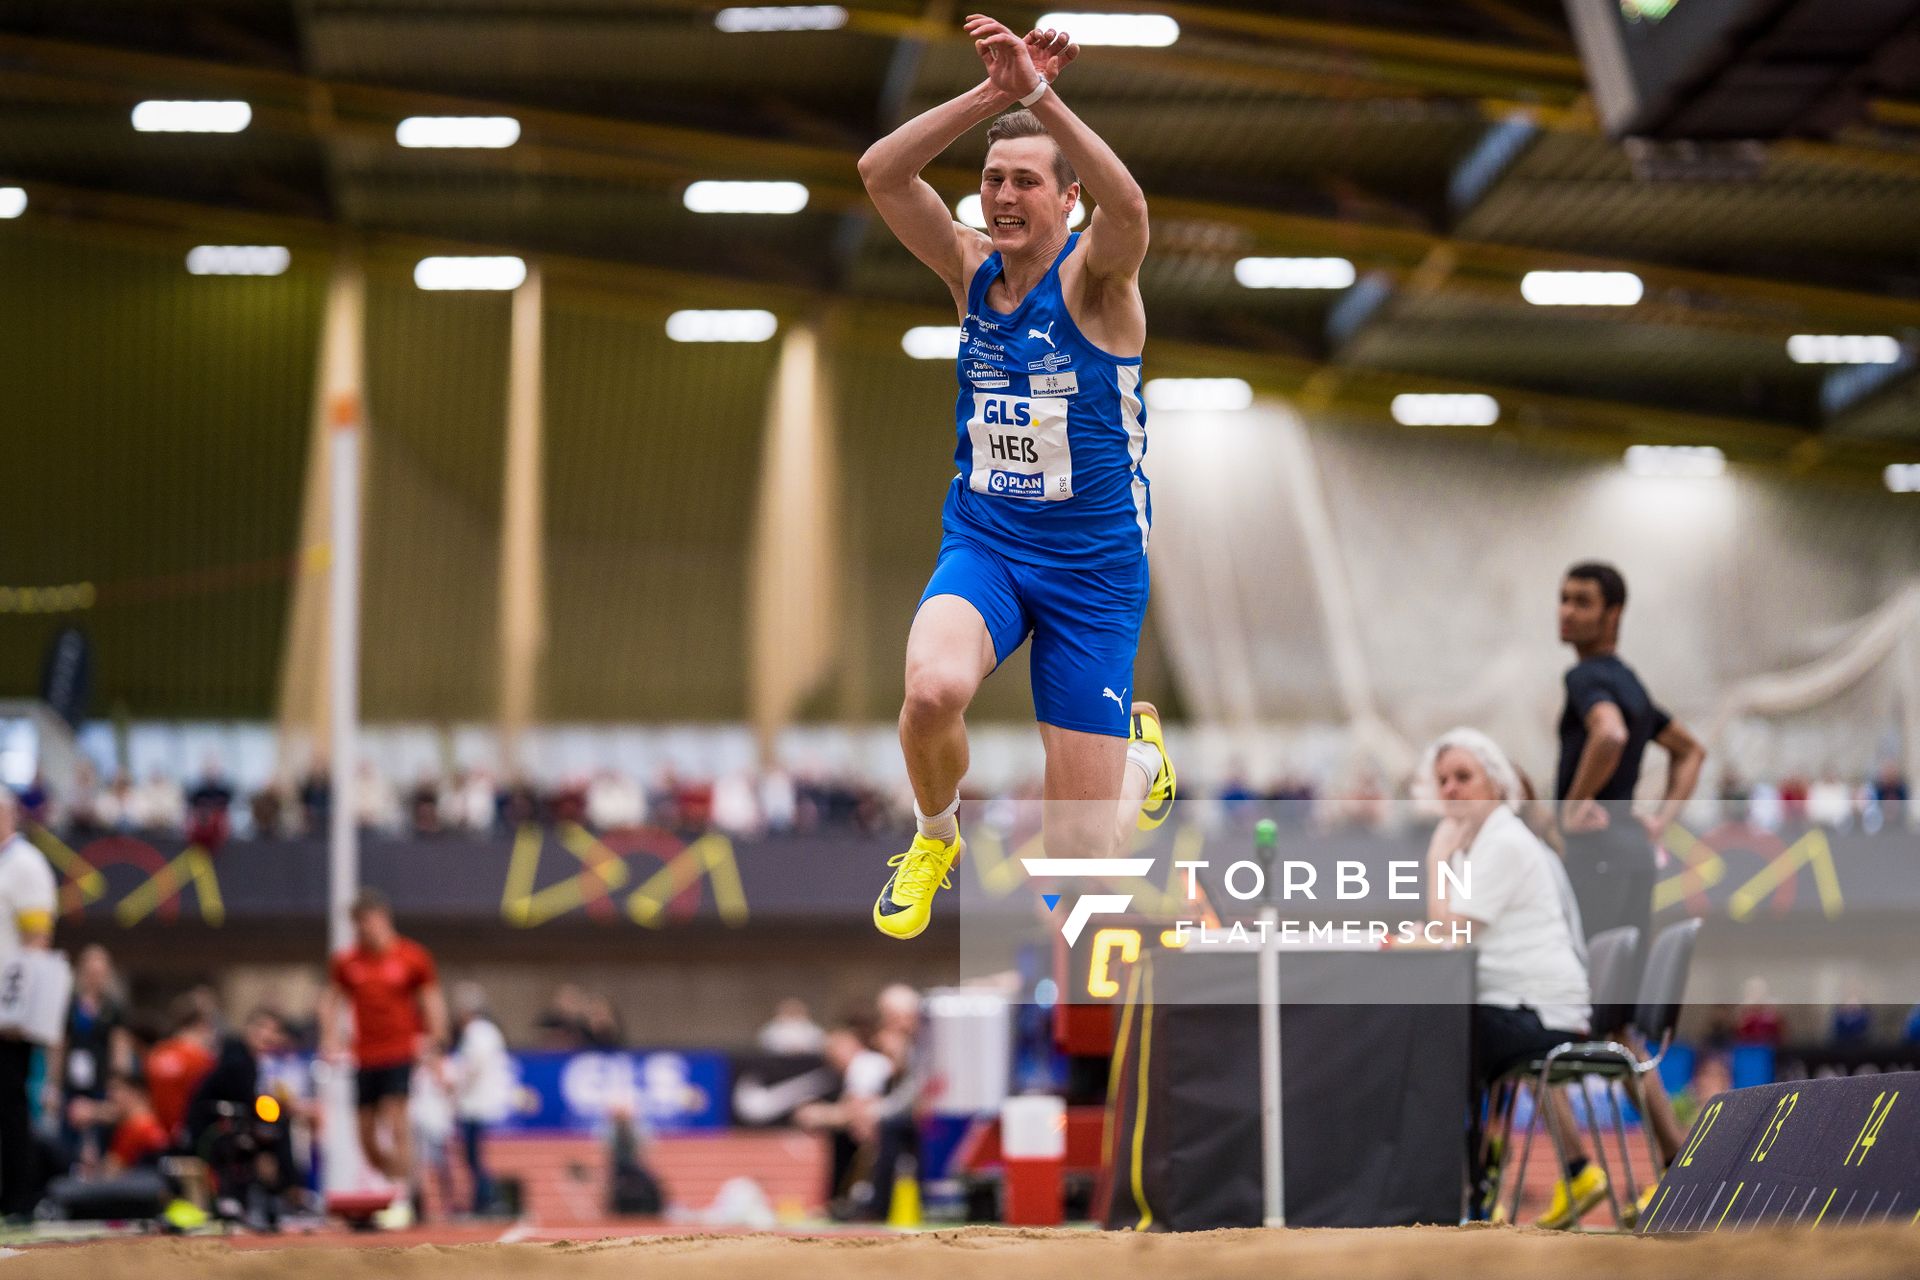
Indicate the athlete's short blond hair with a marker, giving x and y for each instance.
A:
(1025, 124)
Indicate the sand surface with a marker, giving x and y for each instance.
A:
(1005, 1254)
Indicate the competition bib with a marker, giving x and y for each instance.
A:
(34, 987)
(1020, 448)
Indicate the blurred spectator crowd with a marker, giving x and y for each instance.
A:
(1870, 805)
(210, 807)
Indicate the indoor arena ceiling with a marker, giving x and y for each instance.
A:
(1444, 148)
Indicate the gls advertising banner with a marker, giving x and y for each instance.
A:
(670, 1091)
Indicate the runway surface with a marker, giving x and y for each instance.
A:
(1868, 1253)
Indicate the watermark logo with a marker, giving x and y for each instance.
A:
(1089, 905)
(1247, 881)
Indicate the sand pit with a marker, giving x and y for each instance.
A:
(1000, 1254)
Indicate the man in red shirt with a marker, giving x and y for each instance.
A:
(139, 1138)
(175, 1066)
(399, 1019)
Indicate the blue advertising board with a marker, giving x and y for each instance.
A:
(671, 1091)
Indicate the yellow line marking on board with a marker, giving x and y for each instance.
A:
(1729, 1209)
(1657, 1206)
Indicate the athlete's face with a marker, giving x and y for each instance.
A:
(94, 973)
(373, 930)
(1584, 616)
(1466, 792)
(1019, 196)
(264, 1035)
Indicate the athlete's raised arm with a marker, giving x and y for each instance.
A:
(1116, 241)
(909, 205)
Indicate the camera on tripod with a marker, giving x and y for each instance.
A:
(246, 1150)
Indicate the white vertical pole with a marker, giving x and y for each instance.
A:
(343, 843)
(342, 391)
(523, 610)
(1273, 1170)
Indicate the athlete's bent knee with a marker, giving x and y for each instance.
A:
(1078, 829)
(935, 695)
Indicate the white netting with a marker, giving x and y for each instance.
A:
(1398, 584)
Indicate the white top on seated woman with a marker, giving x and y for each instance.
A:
(1525, 925)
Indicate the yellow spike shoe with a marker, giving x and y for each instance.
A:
(1631, 1215)
(1158, 805)
(1571, 1202)
(906, 903)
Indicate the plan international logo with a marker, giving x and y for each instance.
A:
(1017, 484)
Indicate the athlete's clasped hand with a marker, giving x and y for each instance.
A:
(1051, 51)
(1016, 67)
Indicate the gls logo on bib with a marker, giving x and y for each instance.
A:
(1020, 448)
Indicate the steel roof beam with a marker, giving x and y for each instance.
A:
(1345, 389)
(596, 146)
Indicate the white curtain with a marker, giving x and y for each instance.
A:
(1397, 584)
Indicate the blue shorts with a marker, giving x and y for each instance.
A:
(1085, 625)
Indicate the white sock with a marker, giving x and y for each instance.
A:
(942, 826)
(1145, 757)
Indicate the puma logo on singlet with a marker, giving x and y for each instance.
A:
(1045, 336)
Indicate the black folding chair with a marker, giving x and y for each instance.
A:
(1613, 1063)
(1610, 958)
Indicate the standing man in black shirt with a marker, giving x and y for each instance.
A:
(1605, 727)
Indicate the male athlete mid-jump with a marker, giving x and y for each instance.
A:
(1045, 524)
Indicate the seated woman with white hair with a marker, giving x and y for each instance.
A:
(1531, 967)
